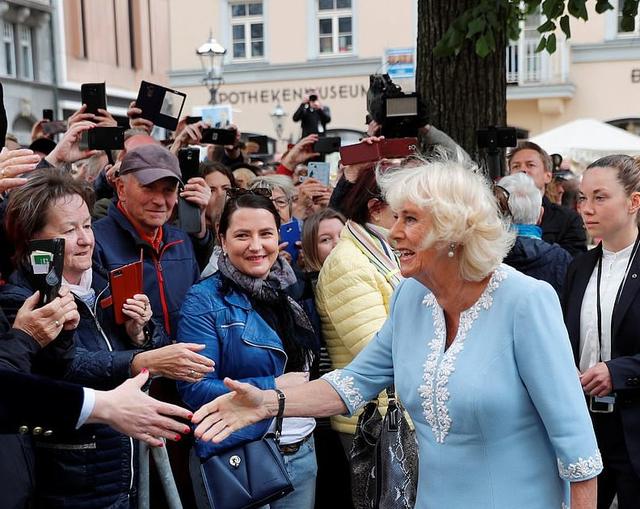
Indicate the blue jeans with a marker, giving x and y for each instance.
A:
(302, 468)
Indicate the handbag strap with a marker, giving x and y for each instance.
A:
(279, 416)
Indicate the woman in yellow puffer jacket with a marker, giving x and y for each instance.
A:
(356, 282)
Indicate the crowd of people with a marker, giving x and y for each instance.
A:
(513, 349)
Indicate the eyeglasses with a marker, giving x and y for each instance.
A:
(502, 197)
(234, 192)
(280, 202)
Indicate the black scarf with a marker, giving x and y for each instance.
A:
(284, 315)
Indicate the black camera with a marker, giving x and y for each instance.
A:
(400, 114)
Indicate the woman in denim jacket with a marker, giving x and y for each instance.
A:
(253, 331)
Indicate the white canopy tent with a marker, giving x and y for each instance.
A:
(585, 140)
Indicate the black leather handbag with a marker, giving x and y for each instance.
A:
(384, 458)
(247, 476)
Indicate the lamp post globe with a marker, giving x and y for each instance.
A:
(211, 55)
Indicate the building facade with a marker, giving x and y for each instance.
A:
(120, 42)
(276, 49)
(27, 67)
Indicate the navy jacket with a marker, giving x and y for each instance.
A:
(624, 365)
(92, 466)
(241, 344)
(168, 273)
(562, 225)
(540, 260)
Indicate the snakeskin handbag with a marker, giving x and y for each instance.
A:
(384, 458)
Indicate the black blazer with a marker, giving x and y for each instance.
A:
(624, 365)
(33, 404)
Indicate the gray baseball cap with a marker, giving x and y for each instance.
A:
(150, 163)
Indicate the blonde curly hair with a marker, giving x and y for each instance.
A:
(461, 205)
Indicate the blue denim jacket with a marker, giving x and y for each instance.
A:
(240, 343)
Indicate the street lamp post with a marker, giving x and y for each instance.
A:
(211, 55)
(278, 116)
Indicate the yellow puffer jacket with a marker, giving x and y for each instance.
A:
(352, 299)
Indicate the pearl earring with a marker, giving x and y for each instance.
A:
(452, 250)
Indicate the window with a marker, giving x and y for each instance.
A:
(26, 53)
(627, 33)
(9, 50)
(335, 30)
(247, 30)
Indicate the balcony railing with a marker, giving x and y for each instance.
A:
(526, 67)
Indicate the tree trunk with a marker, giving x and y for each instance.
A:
(463, 92)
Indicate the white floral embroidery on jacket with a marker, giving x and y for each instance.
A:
(345, 384)
(434, 391)
(582, 469)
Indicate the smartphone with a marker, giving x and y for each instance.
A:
(193, 120)
(54, 127)
(393, 148)
(47, 114)
(290, 232)
(94, 95)
(188, 216)
(125, 282)
(102, 138)
(158, 104)
(327, 144)
(319, 171)
(369, 152)
(214, 136)
(189, 159)
(46, 263)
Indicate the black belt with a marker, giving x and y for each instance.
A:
(294, 447)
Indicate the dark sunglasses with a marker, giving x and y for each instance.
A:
(502, 197)
(235, 192)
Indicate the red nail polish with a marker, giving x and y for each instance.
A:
(190, 416)
(187, 431)
(178, 438)
(144, 370)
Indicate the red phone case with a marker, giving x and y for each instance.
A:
(125, 282)
(359, 153)
(398, 147)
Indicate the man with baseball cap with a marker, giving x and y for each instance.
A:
(147, 188)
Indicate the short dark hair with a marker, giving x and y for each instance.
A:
(547, 163)
(355, 205)
(209, 167)
(28, 205)
(247, 200)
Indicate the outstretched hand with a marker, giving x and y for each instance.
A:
(243, 406)
(130, 411)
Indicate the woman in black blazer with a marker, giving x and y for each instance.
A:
(601, 306)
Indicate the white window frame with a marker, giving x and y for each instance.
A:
(8, 37)
(612, 23)
(25, 42)
(247, 21)
(334, 15)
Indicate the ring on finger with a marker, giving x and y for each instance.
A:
(57, 323)
(192, 373)
(3, 173)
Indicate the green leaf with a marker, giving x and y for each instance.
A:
(547, 26)
(578, 9)
(482, 46)
(542, 44)
(628, 23)
(603, 6)
(551, 43)
(476, 26)
(565, 25)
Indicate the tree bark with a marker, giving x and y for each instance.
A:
(463, 92)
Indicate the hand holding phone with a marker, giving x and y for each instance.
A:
(94, 95)
(157, 104)
(290, 233)
(46, 264)
(319, 171)
(125, 282)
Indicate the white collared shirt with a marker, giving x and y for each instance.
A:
(614, 266)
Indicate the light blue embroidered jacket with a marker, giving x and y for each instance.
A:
(500, 415)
